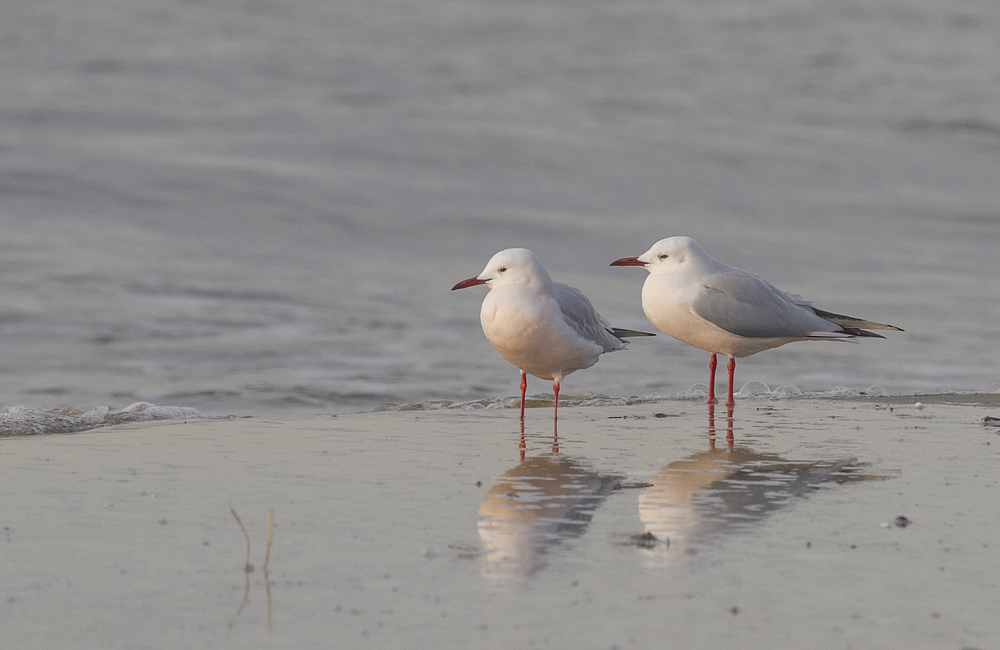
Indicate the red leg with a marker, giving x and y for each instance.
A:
(524, 387)
(732, 369)
(712, 362)
(555, 389)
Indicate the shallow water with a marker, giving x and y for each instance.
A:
(260, 207)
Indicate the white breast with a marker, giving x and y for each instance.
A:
(529, 331)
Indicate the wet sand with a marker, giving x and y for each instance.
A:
(639, 526)
(965, 399)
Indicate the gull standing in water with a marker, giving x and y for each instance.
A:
(546, 329)
(693, 297)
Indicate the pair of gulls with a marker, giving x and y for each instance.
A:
(548, 329)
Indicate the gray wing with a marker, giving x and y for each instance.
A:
(745, 305)
(583, 319)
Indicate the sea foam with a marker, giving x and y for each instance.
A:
(26, 421)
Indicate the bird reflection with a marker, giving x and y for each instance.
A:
(548, 500)
(728, 489)
(522, 446)
(541, 502)
(711, 425)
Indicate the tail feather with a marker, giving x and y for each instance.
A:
(858, 332)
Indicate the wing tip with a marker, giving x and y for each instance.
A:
(623, 334)
(851, 323)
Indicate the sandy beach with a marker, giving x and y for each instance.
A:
(822, 523)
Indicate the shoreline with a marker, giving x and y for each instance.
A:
(19, 421)
(543, 400)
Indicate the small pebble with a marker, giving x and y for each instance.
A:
(919, 406)
(646, 540)
(902, 521)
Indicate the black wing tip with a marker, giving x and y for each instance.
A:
(847, 321)
(619, 333)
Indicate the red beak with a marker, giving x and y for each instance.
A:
(471, 282)
(628, 261)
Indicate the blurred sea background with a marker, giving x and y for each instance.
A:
(258, 207)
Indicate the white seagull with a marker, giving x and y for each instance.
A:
(546, 329)
(693, 297)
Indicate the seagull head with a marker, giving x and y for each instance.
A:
(665, 256)
(510, 266)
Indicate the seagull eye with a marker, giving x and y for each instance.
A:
(503, 268)
(664, 256)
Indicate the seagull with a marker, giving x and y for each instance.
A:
(546, 329)
(693, 297)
